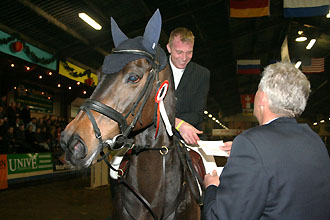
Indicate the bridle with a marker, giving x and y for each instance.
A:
(121, 140)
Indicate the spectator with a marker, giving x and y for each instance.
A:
(3, 101)
(40, 123)
(40, 141)
(33, 123)
(29, 134)
(20, 136)
(3, 130)
(17, 124)
(12, 113)
(52, 139)
(2, 112)
(25, 114)
(9, 140)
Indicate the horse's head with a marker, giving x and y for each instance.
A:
(124, 99)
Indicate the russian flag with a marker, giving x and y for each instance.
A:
(248, 66)
(305, 8)
(249, 8)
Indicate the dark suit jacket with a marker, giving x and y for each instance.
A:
(191, 94)
(276, 171)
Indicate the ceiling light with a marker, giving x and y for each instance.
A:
(50, 73)
(297, 65)
(210, 116)
(84, 92)
(322, 121)
(69, 88)
(78, 83)
(301, 39)
(40, 77)
(311, 44)
(205, 112)
(90, 21)
(12, 65)
(315, 123)
(328, 15)
(58, 85)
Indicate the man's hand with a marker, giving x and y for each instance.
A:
(188, 132)
(227, 147)
(211, 179)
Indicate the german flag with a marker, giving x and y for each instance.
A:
(249, 8)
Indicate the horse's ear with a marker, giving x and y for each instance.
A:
(152, 31)
(117, 35)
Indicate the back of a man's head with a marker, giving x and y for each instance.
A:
(185, 35)
(287, 89)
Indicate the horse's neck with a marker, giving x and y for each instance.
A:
(147, 137)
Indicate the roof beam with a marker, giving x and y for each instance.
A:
(59, 24)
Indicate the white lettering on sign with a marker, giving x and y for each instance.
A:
(24, 163)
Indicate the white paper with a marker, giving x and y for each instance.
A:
(213, 148)
(208, 160)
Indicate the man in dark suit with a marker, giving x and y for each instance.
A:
(278, 170)
(191, 85)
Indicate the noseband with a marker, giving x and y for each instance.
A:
(121, 139)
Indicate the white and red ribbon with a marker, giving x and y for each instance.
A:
(160, 95)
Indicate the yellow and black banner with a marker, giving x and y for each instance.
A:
(73, 72)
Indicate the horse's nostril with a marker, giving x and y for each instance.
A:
(79, 150)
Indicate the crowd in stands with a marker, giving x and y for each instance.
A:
(21, 133)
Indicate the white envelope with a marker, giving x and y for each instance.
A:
(212, 148)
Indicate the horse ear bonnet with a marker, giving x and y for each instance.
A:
(113, 62)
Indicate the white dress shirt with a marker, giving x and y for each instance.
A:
(177, 74)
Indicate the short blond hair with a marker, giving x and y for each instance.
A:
(185, 34)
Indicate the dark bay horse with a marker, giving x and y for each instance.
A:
(122, 114)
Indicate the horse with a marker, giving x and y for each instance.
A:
(126, 112)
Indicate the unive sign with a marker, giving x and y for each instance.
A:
(23, 163)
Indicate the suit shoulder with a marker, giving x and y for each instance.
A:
(199, 68)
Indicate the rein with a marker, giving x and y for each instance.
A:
(122, 141)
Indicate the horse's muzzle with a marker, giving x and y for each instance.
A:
(75, 150)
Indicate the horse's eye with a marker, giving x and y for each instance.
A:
(133, 78)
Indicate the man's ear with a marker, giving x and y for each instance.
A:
(264, 99)
(168, 48)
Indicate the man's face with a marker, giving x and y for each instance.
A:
(181, 52)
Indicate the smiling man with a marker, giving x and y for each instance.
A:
(191, 85)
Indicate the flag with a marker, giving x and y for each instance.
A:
(247, 101)
(248, 66)
(249, 8)
(316, 66)
(285, 51)
(305, 8)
